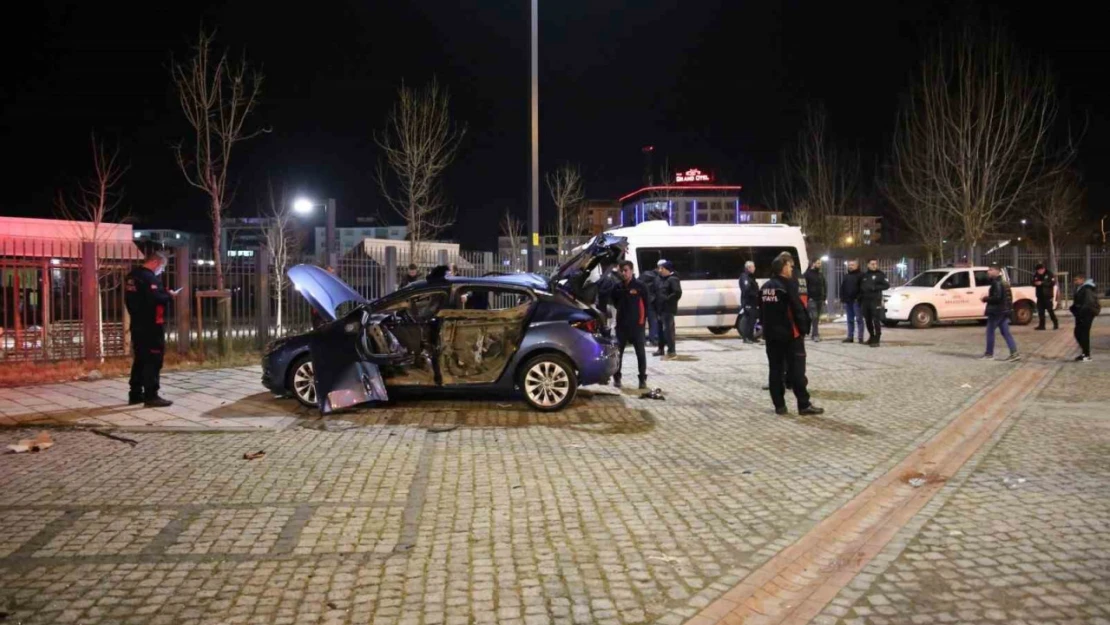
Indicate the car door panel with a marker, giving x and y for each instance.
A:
(958, 296)
(347, 356)
(475, 346)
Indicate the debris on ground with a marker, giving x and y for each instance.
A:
(965, 386)
(333, 605)
(917, 482)
(1013, 482)
(504, 405)
(253, 455)
(437, 429)
(747, 472)
(115, 437)
(655, 393)
(41, 442)
(91, 376)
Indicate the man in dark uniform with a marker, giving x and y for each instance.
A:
(871, 287)
(785, 325)
(412, 275)
(146, 300)
(1045, 284)
(630, 300)
(670, 291)
(651, 280)
(749, 303)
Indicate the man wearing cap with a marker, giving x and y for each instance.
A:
(146, 301)
(1045, 284)
(670, 291)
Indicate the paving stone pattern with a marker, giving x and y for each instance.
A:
(616, 511)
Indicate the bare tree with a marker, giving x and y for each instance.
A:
(513, 229)
(565, 186)
(96, 201)
(217, 96)
(930, 222)
(818, 183)
(281, 241)
(419, 142)
(1057, 208)
(972, 137)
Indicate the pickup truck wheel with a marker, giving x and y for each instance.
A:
(1023, 314)
(922, 316)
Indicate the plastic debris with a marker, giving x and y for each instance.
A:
(438, 429)
(41, 442)
(747, 472)
(965, 386)
(1013, 482)
(917, 482)
(253, 455)
(655, 393)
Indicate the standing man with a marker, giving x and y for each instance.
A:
(785, 325)
(630, 301)
(411, 276)
(1045, 284)
(871, 287)
(650, 279)
(1000, 305)
(749, 303)
(816, 288)
(605, 286)
(849, 296)
(146, 300)
(1085, 307)
(670, 291)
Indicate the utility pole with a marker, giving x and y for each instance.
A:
(534, 217)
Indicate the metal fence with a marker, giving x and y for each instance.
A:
(45, 290)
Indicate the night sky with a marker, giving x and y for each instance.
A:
(716, 85)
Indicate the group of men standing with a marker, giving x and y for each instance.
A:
(861, 293)
(645, 309)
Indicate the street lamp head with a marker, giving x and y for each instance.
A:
(303, 206)
(1024, 221)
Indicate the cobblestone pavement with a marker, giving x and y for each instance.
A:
(219, 399)
(617, 510)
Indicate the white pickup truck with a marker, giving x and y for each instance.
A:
(950, 294)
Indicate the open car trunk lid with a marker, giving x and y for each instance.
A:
(324, 291)
(604, 249)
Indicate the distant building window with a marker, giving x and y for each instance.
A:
(774, 218)
(867, 230)
(608, 221)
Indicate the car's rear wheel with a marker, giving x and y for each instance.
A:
(719, 330)
(302, 381)
(1023, 314)
(549, 382)
(922, 316)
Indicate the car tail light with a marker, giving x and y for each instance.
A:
(589, 325)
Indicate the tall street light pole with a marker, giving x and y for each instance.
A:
(534, 217)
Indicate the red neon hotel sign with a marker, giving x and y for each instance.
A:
(693, 175)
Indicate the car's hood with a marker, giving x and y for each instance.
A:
(325, 292)
(605, 249)
(911, 289)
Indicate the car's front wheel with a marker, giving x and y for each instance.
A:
(302, 381)
(549, 382)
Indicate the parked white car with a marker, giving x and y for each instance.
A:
(951, 294)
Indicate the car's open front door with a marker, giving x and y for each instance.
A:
(346, 355)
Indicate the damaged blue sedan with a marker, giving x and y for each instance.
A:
(520, 333)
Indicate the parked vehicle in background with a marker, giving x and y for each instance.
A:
(709, 259)
(951, 294)
(520, 332)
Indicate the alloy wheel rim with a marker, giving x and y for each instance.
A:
(547, 383)
(304, 382)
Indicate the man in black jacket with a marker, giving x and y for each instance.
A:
(1045, 284)
(1000, 305)
(650, 280)
(670, 291)
(785, 325)
(1085, 307)
(849, 297)
(816, 288)
(871, 287)
(630, 301)
(412, 275)
(146, 301)
(749, 303)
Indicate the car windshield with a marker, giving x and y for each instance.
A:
(927, 279)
